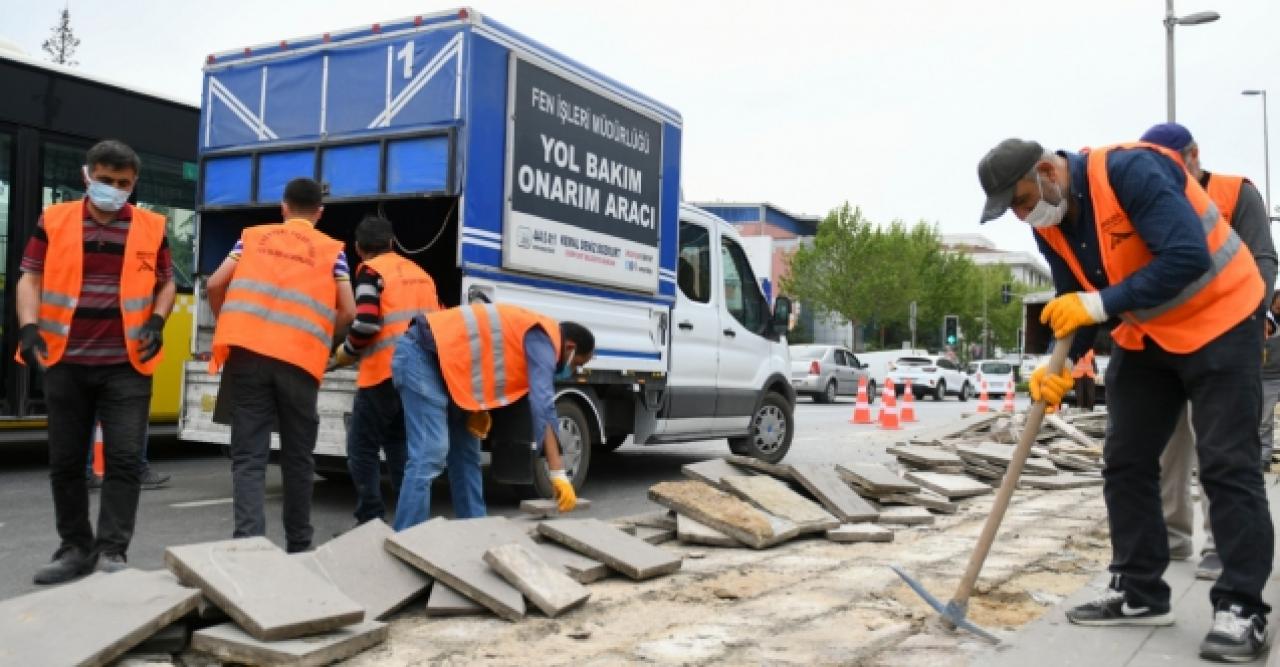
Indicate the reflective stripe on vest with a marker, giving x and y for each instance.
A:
(1218, 261)
(281, 293)
(283, 319)
(407, 291)
(483, 363)
(499, 365)
(58, 299)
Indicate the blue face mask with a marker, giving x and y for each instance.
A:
(563, 373)
(105, 197)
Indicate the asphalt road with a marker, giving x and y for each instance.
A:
(196, 506)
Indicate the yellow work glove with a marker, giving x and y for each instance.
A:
(563, 490)
(1049, 388)
(479, 423)
(1072, 311)
(341, 358)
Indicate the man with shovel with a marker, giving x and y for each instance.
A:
(1130, 237)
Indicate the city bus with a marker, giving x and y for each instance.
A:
(49, 116)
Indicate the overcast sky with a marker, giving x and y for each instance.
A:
(886, 104)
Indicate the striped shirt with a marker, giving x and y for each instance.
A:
(97, 328)
(368, 288)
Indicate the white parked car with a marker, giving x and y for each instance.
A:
(932, 376)
(997, 374)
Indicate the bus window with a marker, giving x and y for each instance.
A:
(61, 180)
(164, 188)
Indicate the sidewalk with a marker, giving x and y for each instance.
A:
(1052, 640)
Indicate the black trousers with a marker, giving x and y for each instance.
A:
(377, 424)
(1146, 391)
(120, 397)
(1086, 392)
(266, 391)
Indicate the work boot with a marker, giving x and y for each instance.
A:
(1114, 609)
(1210, 567)
(67, 564)
(110, 563)
(150, 479)
(1234, 637)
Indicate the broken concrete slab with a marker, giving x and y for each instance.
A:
(875, 479)
(778, 499)
(905, 516)
(951, 486)
(1059, 482)
(172, 638)
(925, 457)
(548, 587)
(269, 594)
(665, 519)
(228, 642)
(207, 611)
(596, 539)
(714, 471)
(453, 552)
(444, 601)
(548, 507)
(826, 484)
(1069, 430)
(655, 536)
(360, 567)
(92, 621)
(998, 455)
(926, 499)
(860, 532)
(723, 512)
(780, 470)
(690, 531)
(579, 568)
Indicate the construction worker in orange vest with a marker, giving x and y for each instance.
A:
(1085, 374)
(278, 297)
(389, 290)
(1130, 236)
(1242, 206)
(96, 287)
(455, 365)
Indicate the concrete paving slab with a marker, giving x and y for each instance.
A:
(925, 457)
(172, 638)
(655, 536)
(926, 499)
(664, 519)
(999, 456)
(579, 568)
(444, 601)
(546, 586)
(726, 513)
(778, 499)
(453, 552)
(875, 479)
(780, 470)
(905, 516)
(596, 539)
(92, 621)
(714, 471)
(860, 532)
(228, 642)
(269, 594)
(359, 565)
(548, 507)
(1071, 431)
(690, 531)
(826, 484)
(951, 486)
(1059, 482)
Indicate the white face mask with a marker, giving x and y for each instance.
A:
(1045, 214)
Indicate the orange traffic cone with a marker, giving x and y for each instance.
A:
(99, 463)
(982, 399)
(908, 404)
(1008, 400)
(862, 408)
(889, 410)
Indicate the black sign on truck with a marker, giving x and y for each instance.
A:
(583, 183)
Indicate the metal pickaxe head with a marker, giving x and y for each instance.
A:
(952, 613)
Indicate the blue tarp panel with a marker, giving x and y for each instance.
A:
(228, 180)
(277, 169)
(351, 170)
(418, 165)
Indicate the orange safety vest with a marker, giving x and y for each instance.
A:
(1084, 367)
(63, 275)
(1224, 190)
(407, 291)
(282, 299)
(1213, 303)
(481, 349)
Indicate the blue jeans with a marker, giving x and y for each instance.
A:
(377, 424)
(436, 436)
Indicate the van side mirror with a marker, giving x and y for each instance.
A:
(781, 313)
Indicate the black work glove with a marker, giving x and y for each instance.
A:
(152, 338)
(32, 347)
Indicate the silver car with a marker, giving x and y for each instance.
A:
(825, 372)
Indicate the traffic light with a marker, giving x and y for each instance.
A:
(951, 329)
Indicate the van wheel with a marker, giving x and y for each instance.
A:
(772, 426)
(574, 435)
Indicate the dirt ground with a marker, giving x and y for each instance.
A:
(807, 602)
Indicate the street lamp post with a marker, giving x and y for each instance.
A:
(1170, 20)
(1266, 145)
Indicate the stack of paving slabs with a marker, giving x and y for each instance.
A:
(723, 512)
(1037, 473)
(283, 612)
(934, 459)
(879, 483)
